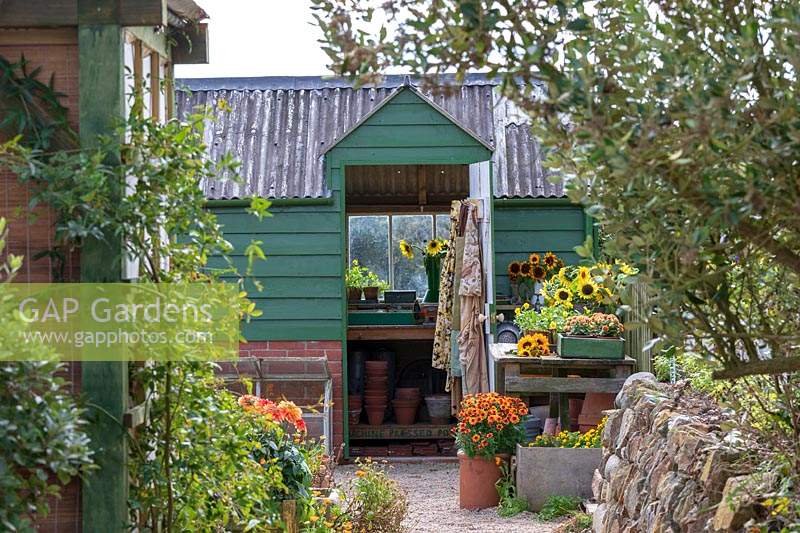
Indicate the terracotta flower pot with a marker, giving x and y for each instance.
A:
(405, 411)
(477, 477)
(375, 414)
(353, 294)
(406, 393)
(592, 411)
(376, 366)
(371, 293)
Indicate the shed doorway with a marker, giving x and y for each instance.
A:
(392, 335)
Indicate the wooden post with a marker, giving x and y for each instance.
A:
(105, 384)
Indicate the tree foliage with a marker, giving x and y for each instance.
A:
(675, 122)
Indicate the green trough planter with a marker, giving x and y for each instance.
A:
(590, 347)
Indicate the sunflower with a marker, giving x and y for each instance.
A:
(514, 268)
(525, 353)
(525, 270)
(586, 289)
(539, 272)
(434, 246)
(550, 260)
(406, 250)
(563, 295)
(534, 259)
(525, 343)
(584, 274)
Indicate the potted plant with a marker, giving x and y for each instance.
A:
(489, 428)
(360, 279)
(547, 320)
(561, 465)
(432, 255)
(596, 336)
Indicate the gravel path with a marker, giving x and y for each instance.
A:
(432, 490)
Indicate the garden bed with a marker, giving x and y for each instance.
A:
(543, 472)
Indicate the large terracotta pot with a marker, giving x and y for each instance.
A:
(405, 411)
(477, 477)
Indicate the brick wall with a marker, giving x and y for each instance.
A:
(56, 52)
(302, 393)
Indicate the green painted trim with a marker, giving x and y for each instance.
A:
(512, 203)
(345, 260)
(276, 202)
(151, 39)
(104, 384)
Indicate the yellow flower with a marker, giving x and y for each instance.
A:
(313, 518)
(563, 295)
(584, 274)
(552, 325)
(514, 268)
(406, 250)
(360, 473)
(525, 343)
(526, 305)
(434, 246)
(534, 259)
(329, 524)
(538, 272)
(586, 289)
(517, 311)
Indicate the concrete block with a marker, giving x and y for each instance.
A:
(543, 472)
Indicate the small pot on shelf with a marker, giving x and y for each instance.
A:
(438, 408)
(405, 411)
(353, 294)
(371, 294)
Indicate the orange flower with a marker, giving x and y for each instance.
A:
(476, 438)
(534, 259)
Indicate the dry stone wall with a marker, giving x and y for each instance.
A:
(668, 463)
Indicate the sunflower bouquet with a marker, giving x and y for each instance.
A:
(490, 424)
(432, 253)
(534, 345)
(523, 275)
(588, 287)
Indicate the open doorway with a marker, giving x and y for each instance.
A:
(390, 338)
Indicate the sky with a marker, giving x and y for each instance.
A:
(259, 38)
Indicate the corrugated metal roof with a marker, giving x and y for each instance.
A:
(279, 128)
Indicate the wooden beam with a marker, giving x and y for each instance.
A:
(422, 184)
(155, 87)
(51, 13)
(105, 384)
(525, 384)
(191, 45)
(385, 333)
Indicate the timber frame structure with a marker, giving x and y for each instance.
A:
(99, 34)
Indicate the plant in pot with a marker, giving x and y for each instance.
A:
(489, 428)
(360, 279)
(577, 456)
(432, 255)
(595, 336)
(548, 320)
(373, 286)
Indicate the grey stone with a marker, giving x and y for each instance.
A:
(597, 485)
(624, 397)
(611, 429)
(735, 508)
(619, 480)
(612, 464)
(634, 496)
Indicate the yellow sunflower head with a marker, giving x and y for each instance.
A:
(514, 268)
(541, 345)
(584, 274)
(406, 250)
(563, 295)
(550, 260)
(525, 270)
(525, 352)
(525, 343)
(538, 272)
(587, 289)
(433, 247)
(534, 259)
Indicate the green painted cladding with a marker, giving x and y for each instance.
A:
(301, 278)
(520, 230)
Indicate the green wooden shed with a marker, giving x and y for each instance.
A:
(350, 172)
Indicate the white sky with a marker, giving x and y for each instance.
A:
(259, 38)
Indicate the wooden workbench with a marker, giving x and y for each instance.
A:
(523, 376)
(421, 332)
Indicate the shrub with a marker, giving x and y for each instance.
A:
(489, 423)
(376, 502)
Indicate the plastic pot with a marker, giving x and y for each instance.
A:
(476, 481)
(438, 408)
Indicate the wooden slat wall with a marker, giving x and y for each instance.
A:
(301, 276)
(518, 231)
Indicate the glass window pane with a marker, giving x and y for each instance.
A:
(443, 226)
(369, 243)
(416, 229)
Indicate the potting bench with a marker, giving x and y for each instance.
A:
(523, 376)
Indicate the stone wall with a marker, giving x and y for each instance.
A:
(668, 463)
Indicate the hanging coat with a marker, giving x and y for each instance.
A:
(471, 346)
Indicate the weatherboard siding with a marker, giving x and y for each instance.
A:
(518, 231)
(302, 275)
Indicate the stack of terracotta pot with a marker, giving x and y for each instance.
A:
(376, 390)
(406, 402)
